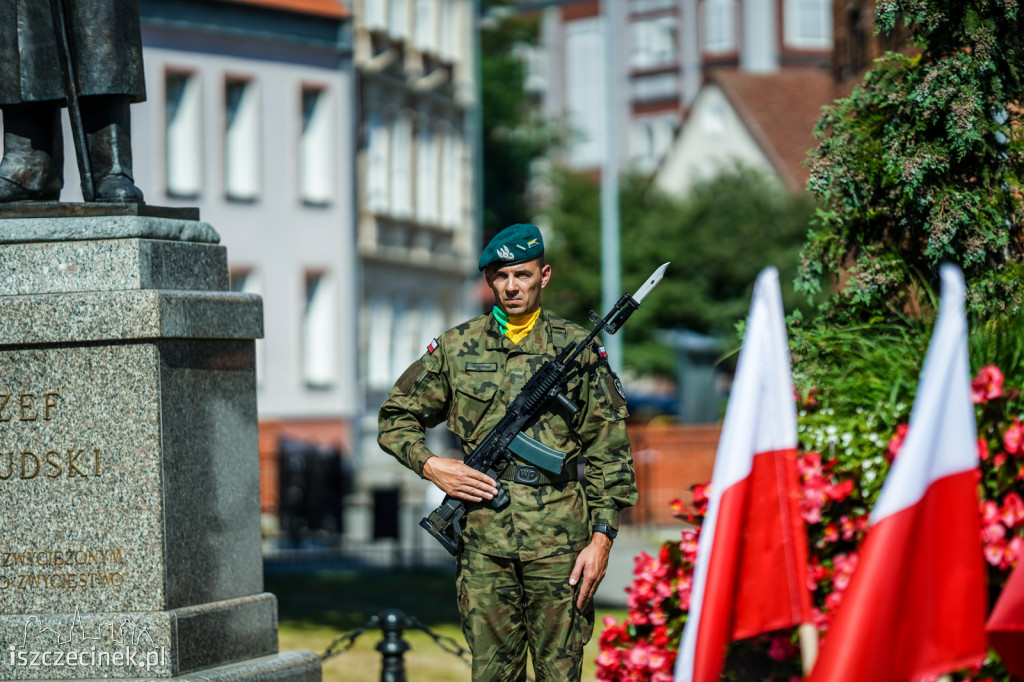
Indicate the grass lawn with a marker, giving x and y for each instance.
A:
(317, 607)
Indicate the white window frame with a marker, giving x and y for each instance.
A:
(427, 174)
(242, 140)
(425, 26)
(398, 19)
(378, 161)
(379, 355)
(401, 166)
(376, 13)
(316, 145)
(815, 15)
(451, 179)
(183, 133)
(718, 26)
(320, 330)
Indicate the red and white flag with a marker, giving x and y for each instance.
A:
(751, 570)
(1006, 624)
(916, 603)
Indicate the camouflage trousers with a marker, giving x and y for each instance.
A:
(508, 605)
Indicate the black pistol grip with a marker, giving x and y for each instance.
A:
(445, 524)
(501, 498)
(451, 544)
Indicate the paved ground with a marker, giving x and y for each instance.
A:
(628, 545)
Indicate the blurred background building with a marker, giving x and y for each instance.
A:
(335, 147)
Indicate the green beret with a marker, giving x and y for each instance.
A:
(514, 245)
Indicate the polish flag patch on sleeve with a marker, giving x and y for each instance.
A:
(432, 346)
(602, 352)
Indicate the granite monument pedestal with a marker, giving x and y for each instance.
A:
(129, 474)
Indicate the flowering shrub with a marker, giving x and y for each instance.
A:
(836, 492)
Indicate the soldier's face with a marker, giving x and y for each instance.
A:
(517, 287)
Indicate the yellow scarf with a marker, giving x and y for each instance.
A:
(516, 327)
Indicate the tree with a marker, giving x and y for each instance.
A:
(515, 136)
(718, 238)
(922, 164)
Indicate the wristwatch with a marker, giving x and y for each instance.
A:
(607, 530)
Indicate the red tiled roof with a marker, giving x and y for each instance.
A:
(332, 9)
(780, 110)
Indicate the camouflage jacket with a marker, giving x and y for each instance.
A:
(472, 372)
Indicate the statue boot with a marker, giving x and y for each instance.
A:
(107, 122)
(32, 168)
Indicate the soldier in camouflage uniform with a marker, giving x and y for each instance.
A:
(527, 573)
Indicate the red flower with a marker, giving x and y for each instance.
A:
(1013, 510)
(840, 491)
(983, 452)
(987, 385)
(677, 507)
(1012, 438)
(896, 442)
(701, 491)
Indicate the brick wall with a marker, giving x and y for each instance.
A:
(669, 459)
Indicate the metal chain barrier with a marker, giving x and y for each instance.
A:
(348, 640)
(445, 643)
(392, 647)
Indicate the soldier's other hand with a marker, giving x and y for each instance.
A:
(459, 480)
(590, 566)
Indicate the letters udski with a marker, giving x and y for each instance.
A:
(41, 462)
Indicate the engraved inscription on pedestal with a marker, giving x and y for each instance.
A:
(79, 446)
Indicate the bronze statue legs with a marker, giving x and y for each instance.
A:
(32, 165)
(33, 162)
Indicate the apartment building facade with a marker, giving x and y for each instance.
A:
(418, 216)
(662, 58)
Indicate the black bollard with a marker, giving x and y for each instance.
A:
(392, 623)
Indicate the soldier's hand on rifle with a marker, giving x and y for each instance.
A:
(459, 480)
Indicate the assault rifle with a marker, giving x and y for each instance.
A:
(545, 387)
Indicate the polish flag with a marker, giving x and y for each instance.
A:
(751, 570)
(916, 604)
(1006, 624)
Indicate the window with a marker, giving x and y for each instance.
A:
(378, 353)
(719, 25)
(451, 180)
(316, 146)
(809, 23)
(451, 30)
(651, 138)
(399, 16)
(653, 42)
(183, 134)
(376, 14)
(427, 172)
(378, 141)
(401, 166)
(426, 25)
(585, 91)
(242, 165)
(320, 331)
